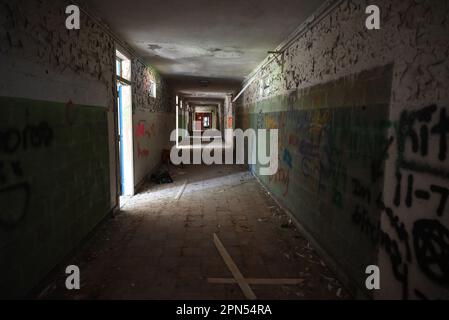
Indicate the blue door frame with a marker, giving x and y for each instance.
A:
(120, 120)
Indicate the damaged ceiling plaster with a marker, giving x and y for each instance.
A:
(214, 39)
(176, 51)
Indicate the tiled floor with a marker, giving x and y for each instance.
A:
(162, 248)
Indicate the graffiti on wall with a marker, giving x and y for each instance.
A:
(415, 236)
(422, 183)
(14, 189)
(342, 153)
(281, 177)
(230, 122)
(310, 140)
(143, 135)
(384, 183)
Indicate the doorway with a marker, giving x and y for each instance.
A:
(125, 126)
(203, 121)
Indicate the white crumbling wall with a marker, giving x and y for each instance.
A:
(414, 38)
(34, 33)
(42, 61)
(153, 119)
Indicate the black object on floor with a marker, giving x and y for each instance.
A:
(161, 177)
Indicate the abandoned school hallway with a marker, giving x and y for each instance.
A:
(95, 116)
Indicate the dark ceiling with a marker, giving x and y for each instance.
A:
(204, 38)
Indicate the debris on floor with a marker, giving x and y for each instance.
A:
(157, 248)
(161, 177)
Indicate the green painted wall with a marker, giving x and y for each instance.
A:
(332, 149)
(54, 185)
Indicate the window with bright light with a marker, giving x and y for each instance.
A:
(122, 66)
(152, 89)
(118, 64)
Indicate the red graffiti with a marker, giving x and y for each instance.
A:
(293, 140)
(230, 121)
(142, 152)
(140, 130)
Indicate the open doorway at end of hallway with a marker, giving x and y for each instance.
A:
(125, 126)
(203, 121)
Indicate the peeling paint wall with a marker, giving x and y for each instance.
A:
(153, 119)
(142, 75)
(43, 60)
(35, 31)
(410, 240)
(57, 133)
(57, 136)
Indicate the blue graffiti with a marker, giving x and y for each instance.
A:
(287, 158)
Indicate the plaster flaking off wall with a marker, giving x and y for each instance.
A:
(153, 119)
(57, 157)
(412, 239)
(142, 76)
(332, 143)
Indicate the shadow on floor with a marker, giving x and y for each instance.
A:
(161, 246)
